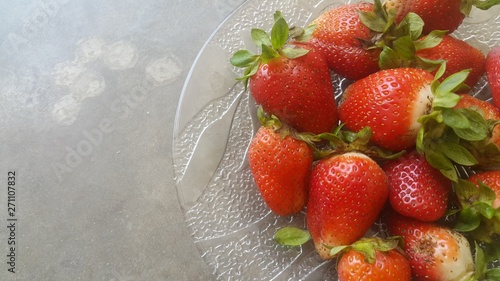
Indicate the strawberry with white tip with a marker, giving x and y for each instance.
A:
(407, 107)
(435, 252)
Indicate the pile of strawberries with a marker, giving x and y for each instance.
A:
(391, 150)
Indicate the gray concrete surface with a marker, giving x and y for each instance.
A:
(88, 95)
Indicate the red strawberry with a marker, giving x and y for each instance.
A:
(340, 34)
(390, 103)
(280, 165)
(490, 179)
(373, 259)
(493, 74)
(435, 252)
(346, 194)
(290, 80)
(298, 91)
(417, 189)
(404, 107)
(459, 55)
(437, 14)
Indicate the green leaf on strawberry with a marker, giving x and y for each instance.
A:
(477, 216)
(342, 141)
(430, 41)
(457, 153)
(411, 25)
(279, 33)
(368, 247)
(447, 133)
(272, 46)
(260, 37)
(293, 53)
(405, 40)
(379, 19)
(243, 58)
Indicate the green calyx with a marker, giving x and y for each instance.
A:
(402, 51)
(272, 46)
(447, 133)
(477, 214)
(407, 39)
(274, 123)
(326, 144)
(399, 42)
(368, 246)
(341, 141)
(379, 20)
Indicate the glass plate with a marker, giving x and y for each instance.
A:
(215, 121)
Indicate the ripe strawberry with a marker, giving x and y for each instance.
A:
(280, 165)
(289, 79)
(390, 103)
(346, 194)
(459, 55)
(405, 107)
(493, 74)
(437, 14)
(373, 259)
(435, 252)
(340, 34)
(417, 189)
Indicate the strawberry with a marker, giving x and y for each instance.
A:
(434, 252)
(373, 259)
(390, 103)
(340, 34)
(289, 79)
(352, 37)
(405, 107)
(417, 189)
(280, 165)
(438, 14)
(346, 193)
(459, 55)
(493, 74)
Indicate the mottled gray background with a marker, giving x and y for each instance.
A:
(88, 94)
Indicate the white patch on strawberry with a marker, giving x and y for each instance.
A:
(463, 266)
(422, 107)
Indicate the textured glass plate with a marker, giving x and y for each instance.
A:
(215, 120)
